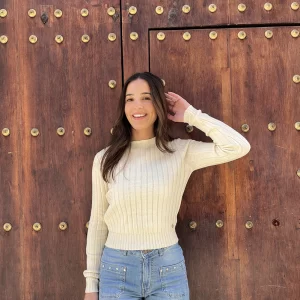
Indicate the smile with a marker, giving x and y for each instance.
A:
(139, 116)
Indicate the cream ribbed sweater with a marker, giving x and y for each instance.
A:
(139, 210)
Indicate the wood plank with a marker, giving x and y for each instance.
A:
(198, 70)
(11, 208)
(267, 187)
(63, 85)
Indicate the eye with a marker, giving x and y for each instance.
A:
(145, 98)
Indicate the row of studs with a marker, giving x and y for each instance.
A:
(38, 226)
(88, 131)
(213, 8)
(213, 35)
(59, 38)
(116, 268)
(159, 10)
(60, 131)
(57, 13)
(160, 36)
(192, 225)
(249, 224)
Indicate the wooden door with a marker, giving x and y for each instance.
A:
(239, 222)
(246, 80)
(234, 261)
(46, 178)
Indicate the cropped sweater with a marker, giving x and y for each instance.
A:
(139, 209)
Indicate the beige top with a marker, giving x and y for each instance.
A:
(139, 209)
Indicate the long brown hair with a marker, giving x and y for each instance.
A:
(121, 134)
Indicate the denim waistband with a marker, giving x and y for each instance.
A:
(153, 252)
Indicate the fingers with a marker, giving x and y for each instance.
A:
(170, 98)
(173, 95)
(171, 101)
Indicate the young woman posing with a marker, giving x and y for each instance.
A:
(137, 185)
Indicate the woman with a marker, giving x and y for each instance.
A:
(132, 246)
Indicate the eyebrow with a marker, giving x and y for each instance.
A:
(141, 94)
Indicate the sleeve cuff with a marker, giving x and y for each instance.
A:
(190, 114)
(92, 285)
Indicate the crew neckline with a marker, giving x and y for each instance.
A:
(143, 143)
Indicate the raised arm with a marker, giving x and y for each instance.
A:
(228, 144)
(97, 231)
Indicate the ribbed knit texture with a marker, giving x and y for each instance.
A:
(139, 209)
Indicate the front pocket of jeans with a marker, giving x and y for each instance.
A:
(174, 280)
(112, 279)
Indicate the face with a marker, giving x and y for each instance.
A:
(139, 101)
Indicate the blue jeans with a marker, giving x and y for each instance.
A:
(132, 274)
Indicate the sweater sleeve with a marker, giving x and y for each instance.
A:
(227, 145)
(97, 230)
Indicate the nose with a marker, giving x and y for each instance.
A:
(140, 104)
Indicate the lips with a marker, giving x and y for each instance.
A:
(137, 118)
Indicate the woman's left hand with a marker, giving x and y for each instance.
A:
(177, 105)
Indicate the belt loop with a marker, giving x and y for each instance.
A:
(161, 251)
(125, 252)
